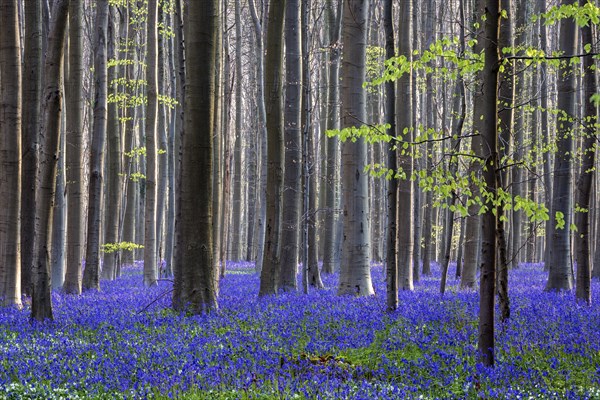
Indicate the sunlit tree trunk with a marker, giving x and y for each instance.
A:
(355, 272)
(41, 301)
(404, 109)
(292, 181)
(32, 99)
(115, 163)
(196, 278)
(161, 140)
(74, 156)
(150, 265)
(91, 278)
(559, 263)
(262, 136)
(312, 264)
(269, 278)
(331, 260)
(10, 155)
(237, 182)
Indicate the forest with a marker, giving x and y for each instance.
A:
(299, 199)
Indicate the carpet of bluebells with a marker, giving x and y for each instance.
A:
(125, 342)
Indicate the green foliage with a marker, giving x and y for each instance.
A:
(582, 15)
(121, 246)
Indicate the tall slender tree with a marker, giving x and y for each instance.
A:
(196, 279)
(150, 265)
(355, 272)
(331, 259)
(74, 152)
(41, 301)
(115, 161)
(486, 122)
(32, 99)
(559, 262)
(91, 274)
(404, 109)
(392, 163)
(292, 181)
(10, 154)
(583, 193)
(269, 277)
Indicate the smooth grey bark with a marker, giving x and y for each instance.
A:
(32, 100)
(583, 192)
(331, 259)
(196, 279)
(269, 278)
(10, 155)
(91, 273)
(292, 181)
(518, 185)
(41, 300)
(115, 163)
(227, 92)
(74, 152)
(355, 271)
(150, 263)
(60, 220)
(171, 164)
(217, 198)
(161, 143)
(311, 178)
(559, 263)
(404, 109)
(236, 203)
(262, 136)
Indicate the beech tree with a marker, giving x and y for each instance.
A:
(41, 300)
(270, 271)
(559, 262)
(150, 264)
(355, 272)
(292, 185)
(32, 100)
(91, 273)
(195, 275)
(10, 154)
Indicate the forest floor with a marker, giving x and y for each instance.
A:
(126, 342)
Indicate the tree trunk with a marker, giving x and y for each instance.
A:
(10, 155)
(91, 277)
(269, 278)
(115, 164)
(292, 181)
(150, 264)
(355, 272)
(559, 263)
(331, 262)
(41, 300)
(161, 140)
(237, 204)
(262, 136)
(486, 122)
(74, 156)
(392, 163)
(32, 99)
(196, 279)
(404, 109)
(59, 222)
(583, 193)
